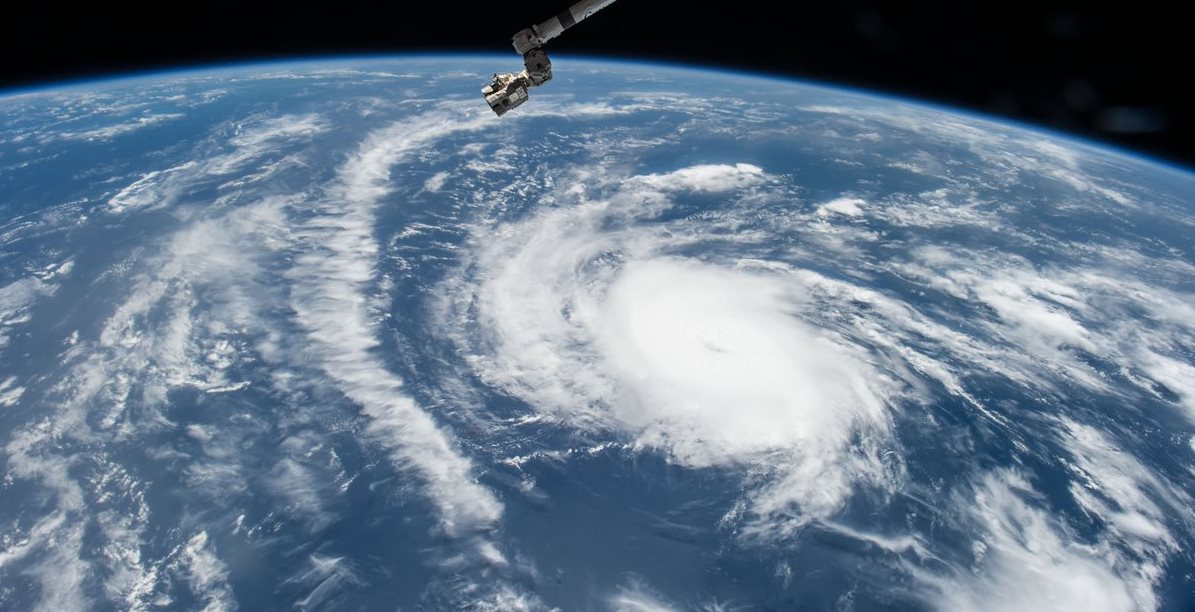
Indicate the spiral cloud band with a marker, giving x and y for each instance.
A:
(598, 321)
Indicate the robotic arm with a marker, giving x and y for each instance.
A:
(510, 90)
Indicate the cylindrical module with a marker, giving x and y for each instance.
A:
(568, 18)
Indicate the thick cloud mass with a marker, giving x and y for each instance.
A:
(717, 366)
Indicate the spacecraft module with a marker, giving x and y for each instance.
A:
(509, 90)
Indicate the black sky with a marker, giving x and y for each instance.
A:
(1120, 74)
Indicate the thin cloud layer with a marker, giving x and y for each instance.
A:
(1027, 560)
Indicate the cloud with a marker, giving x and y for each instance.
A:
(1178, 376)
(10, 393)
(147, 190)
(580, 314)
(717, 368)
(1045, 326)
(111, 389)
(436, 181)
(111, 131)
(327, 578)
(50, 550)
(204, 573)
(1027, 560)
(638, 597)
(189, 315)
(252, 141)
(1034, 310)
(707, 178)
(1005, 154)
(71, 116)
(1133, 504)
(334, 270)
(845, 206)
(165, 334)
(16, 300)
(302, 494)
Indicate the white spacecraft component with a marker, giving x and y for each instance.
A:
(510, 90)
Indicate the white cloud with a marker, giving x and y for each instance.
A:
(717, 368)
(1006, 154)
(943, 207)
(1041, 326)
(578, 314)
(155, 340)
(503, 599)
(16, 300)
(708, 178)
(301, 492)
(846, 206)
(10, 392)
(436, 181)
(252, 141)
(332, 274)
(638, 597)
(494, 164)
(1112, 484)
(145, 191)
(53, 545)
(1177, 375)
(110, 131)
(52, 117)
(326, 577)
(204, 573)
(1027, 560)
(161, 335)
(1034, 309)
(1134, 503)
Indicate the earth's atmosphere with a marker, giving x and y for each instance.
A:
(330, 335)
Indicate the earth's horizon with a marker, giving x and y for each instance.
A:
(502, 62)
(327, 334)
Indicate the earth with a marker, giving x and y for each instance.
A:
(330, 335)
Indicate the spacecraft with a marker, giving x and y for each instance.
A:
(510, 90)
